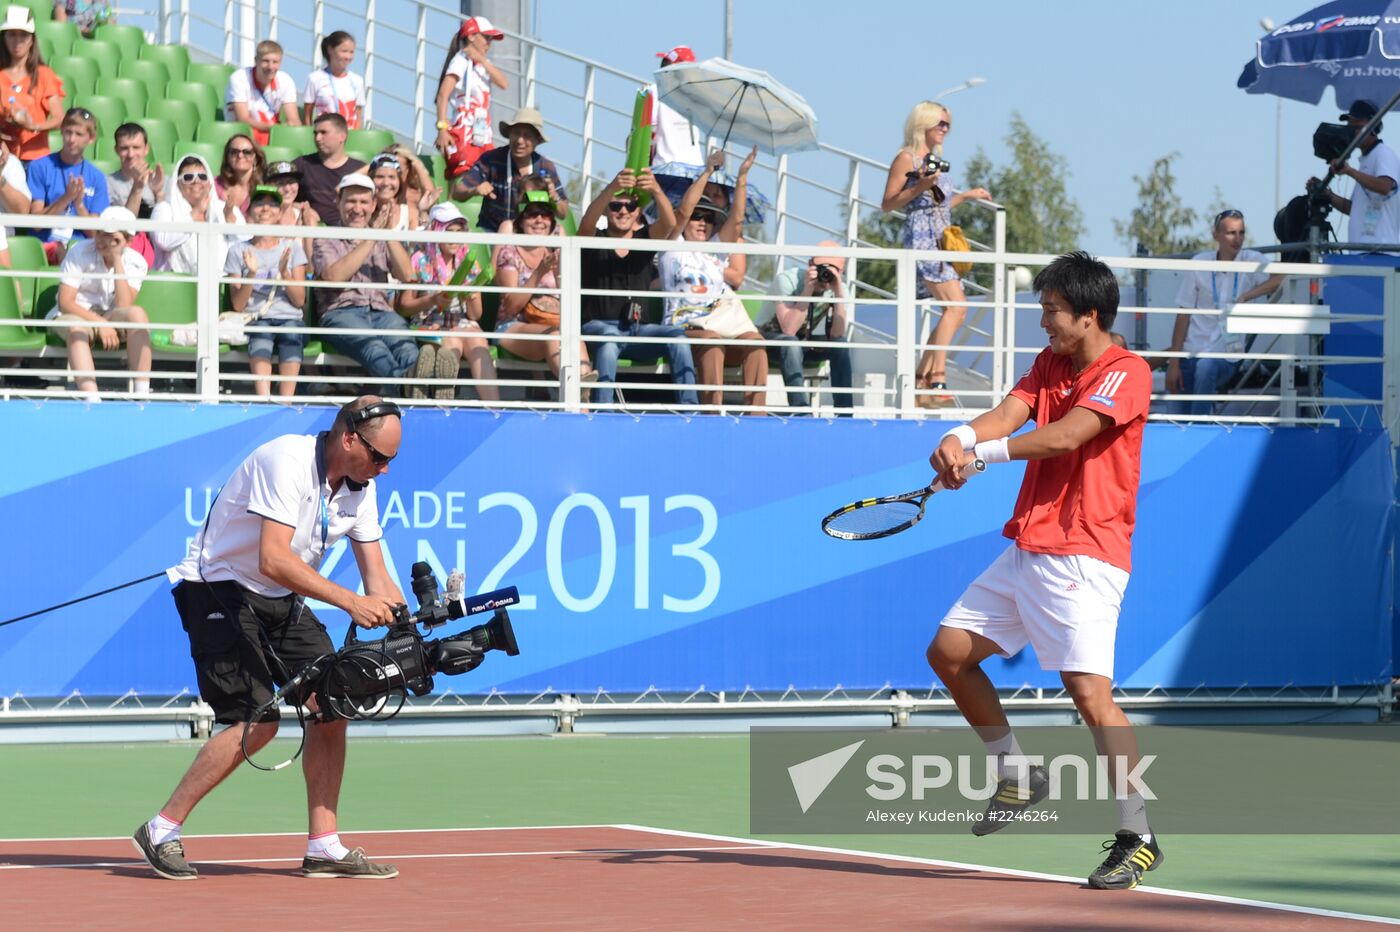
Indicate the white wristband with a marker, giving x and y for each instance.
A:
(964, 433)
(993, 451)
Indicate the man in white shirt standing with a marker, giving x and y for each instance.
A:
(88, 300)
(240, 593)
(1205, 333)
(674, 139)
(263, 95)
(1373, 206)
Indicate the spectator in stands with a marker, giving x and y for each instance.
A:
(632, 272)
(390, 211)
(464, 95)
(1373, 206)
(34, 105)
(712, 310)
(14, 186)
(243, 168)
(66, 183)
(825, 320)
(673, 138)
(1205, 333)
(388, 357)
(87, 300)
(134, 185)
(286, 178)
(497, 174)
(335, 88)
(262, 96)
(456, 315)
(533, 267)
(190, 198)
(416, 184)
(322, 171)
(927, 199)
(87, 15)
(274, 305)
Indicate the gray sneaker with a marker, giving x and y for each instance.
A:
(1012, 799)
(354, 864)
(424, 368)
(166, 858)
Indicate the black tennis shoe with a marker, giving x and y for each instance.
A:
(1129, 857)
(354, 864)
(1011, 799)
(166, 858)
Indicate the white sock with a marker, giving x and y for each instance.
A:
(141, 386)
(162, 829)
(1132, 814)
(1003, 749)
(326, 846)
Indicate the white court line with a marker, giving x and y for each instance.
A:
(367, 831)
(137, 862)
(1060, 878)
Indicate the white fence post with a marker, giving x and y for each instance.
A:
(1001, 327)
(421, 78)
(906, 332)
(530, 57)
(570, 323)
(207, 315)
(780, 207)
(853, 219)
(586, 166)
(371, 14)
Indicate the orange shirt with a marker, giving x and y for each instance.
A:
(33, 97)
(1084, 502)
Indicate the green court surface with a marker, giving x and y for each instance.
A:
(691, 783)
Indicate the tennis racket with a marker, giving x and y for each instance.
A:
(874, 518)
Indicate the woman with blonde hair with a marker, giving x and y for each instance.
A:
(925, 194)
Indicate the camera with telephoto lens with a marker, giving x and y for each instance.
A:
(933, 163)
(360, 679)
(826, 274)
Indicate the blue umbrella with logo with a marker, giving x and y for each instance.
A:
(1351, 46)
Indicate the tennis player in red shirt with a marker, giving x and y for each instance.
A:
(1060, 584)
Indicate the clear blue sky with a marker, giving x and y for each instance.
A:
(1110, 85)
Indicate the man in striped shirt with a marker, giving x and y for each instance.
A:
(1060, 585)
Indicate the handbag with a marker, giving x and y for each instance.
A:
(728, 319)
(541, 309)
(954, 240)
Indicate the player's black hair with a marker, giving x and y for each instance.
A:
(1085, 283)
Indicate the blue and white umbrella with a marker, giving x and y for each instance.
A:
(1351, 46)
(675, 178)
(739, 103)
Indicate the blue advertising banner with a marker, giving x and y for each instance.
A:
(675, 552)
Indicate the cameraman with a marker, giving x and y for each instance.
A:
(1373, 206)
(801, 320)
(241, 595)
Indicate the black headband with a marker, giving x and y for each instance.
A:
(378, 409)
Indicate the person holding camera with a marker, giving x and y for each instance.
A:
(918, 184)
(241, 594)
(795, 321)
(1373, 207)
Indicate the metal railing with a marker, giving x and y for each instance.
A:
(210, 380)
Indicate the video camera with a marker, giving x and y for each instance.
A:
(360, 679)
(1330, 140)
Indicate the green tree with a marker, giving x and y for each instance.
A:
(1160, 221)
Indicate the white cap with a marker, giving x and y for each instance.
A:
(18, 19)
(446, 213)
(355, 180)
(117, 212)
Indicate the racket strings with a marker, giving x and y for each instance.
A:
(873, 519)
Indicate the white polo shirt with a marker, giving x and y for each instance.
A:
(1205, 333)
(280, 481)
(264, 103)
(1375, 218)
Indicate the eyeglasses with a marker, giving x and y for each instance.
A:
(379, 458)
(79, 112)
(619, 206)
(242, 153)
(1230, 214)
(192, 177)
(705, 216)
(537, 212)
(943, 125)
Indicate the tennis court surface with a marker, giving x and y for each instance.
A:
(587, 877)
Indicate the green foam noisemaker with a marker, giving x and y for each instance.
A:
(639, 142)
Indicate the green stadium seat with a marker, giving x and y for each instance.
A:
(110, 113)
(168, 301)
(437, 166)
(27, 252)
(107, 164)
(369, 140)
(129, 90)
(153, 74)
(280, 154)
(213, 74)
(364, 155)
(471, 209)
(43, 9)
(204, 98)
(162, 136)
(15, 339)
(175, 58)
(211, 152)
(182, 114)
(107, 55)
(127, 38)
(55, 140)
(55, 39)
(300, 138)
(221, 132)
(79, 75)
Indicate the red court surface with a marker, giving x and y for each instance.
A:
(580, 877)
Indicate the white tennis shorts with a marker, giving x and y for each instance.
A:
(1066, 607)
